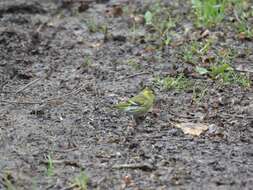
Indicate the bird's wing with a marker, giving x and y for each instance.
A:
(122, 105)
(131, 104)
(138, 100)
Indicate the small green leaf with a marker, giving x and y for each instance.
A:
(217, 70)
(201, 70)
(167, 41)
(148, 17)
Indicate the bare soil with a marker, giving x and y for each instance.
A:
(59, 81)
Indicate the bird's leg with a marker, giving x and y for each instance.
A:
(133, 122)
(130, 129)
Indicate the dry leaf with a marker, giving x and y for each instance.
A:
(127, 179)
(205, 34)
(207, 59)
(115, 11)
(242, 36)
(149, 49)
(95, 44)
(244, 68)
(83, 6)
(192, 128)
(137, 19)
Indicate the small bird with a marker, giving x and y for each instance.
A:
(138, 105)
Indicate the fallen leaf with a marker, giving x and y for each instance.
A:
(194, 129)
(207, 59)
(137, 19)
(205, 34)
(115, 11)
(127, 179)
(149, 49)
(244, 68)
(95, 44)
(242, 36)
(84, 5)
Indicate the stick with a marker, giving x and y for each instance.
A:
(237, 116)
(45, 101)
(244, 70)
(7, 92)
(66, 162)
(182, 116)
(28, 85)
(63, 96)
(142, 166)
(16, 102)
(236, 16)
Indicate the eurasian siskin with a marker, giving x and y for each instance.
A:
(138, 105)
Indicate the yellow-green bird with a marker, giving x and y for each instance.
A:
(138, 105)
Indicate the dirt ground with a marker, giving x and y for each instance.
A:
(60, 75)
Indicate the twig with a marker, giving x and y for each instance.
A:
(142, 166)
(68, 150)
(16, 102)
(66, 162)
(65, 95)
(237, 116)
(28, 85)
(134, 75)
(2, 85)
(182, 116)
(237, 17)
(45, 101)
(244, 70)
(7, 92)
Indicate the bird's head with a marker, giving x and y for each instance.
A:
(148, 92)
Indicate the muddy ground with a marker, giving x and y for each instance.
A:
(60, 75)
